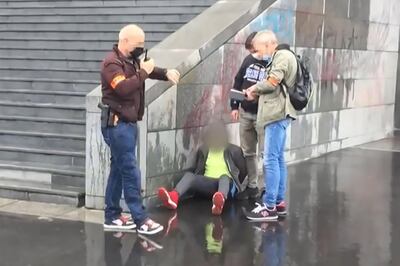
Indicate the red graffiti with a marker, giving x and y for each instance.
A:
(213, 104)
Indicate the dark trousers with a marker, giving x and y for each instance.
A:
(203, 185)
(124, 172)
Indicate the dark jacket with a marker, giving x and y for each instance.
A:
(251, 71)
(122, 83)
(234, 160)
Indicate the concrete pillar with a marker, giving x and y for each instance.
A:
(397, 105)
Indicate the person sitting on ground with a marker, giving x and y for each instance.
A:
(219, 170)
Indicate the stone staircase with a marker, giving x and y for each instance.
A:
(50, 53)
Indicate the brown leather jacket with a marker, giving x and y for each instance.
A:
(122, 83)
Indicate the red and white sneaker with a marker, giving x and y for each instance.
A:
(281, 208)
(150, 227)
(218, 203)
(169, 199)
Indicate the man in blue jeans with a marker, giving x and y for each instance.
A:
(123, 76)
(275, 113)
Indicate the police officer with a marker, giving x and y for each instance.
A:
(123, 77)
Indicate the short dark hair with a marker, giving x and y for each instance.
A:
(249, 41)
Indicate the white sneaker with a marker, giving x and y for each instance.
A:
(120, 224)
(150, 228)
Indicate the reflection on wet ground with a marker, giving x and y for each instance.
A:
(344, 209)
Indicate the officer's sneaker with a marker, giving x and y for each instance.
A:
(150, 227)
(261, 213)
(281, 208)
(120, 224)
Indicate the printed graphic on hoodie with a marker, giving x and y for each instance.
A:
(255, 73)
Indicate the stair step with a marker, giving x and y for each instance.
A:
(53, 157)
(31, 63)
(84, 27)
(62, 44)
(93, 35)
(40, 172)
(98, 11)
(37, 191)
(75, 98)
(54, 53)
(42, 110)
(52, 73)
(78, 172)
(44, 125)
(93, 18)
(49, 84)
(39, 140)
(142, 3)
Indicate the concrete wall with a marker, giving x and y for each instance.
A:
(397, 106)
(351, 47)
(352, 50)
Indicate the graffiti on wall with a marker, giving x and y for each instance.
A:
(280, 21)
(347, 74)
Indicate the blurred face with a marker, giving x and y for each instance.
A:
(216, 138)
(264, 48)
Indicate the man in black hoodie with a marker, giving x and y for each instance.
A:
(252, 71)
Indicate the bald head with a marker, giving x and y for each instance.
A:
(265, 42)
(130, 37)
(131, 31)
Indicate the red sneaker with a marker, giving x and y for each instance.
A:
(169, 199)
(281, 208)
(218, 203)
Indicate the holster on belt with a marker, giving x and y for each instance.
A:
(108, 117)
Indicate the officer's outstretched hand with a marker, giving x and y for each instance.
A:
(173, 75)
(148, 65)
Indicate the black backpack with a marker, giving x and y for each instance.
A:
(301, 91)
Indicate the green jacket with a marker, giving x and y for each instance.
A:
(273, 104)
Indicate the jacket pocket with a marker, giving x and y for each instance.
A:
(272, 108)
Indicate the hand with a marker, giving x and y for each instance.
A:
(251, 93)
(173, 75)
(235, 115)
(147, 66)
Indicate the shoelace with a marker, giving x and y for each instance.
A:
(259, 208)
(124, 219)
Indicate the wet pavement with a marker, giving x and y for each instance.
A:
(344, 209)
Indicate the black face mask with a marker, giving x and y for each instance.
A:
(137, 52)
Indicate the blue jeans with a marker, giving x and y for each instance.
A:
(124, 173)
(275, 171)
